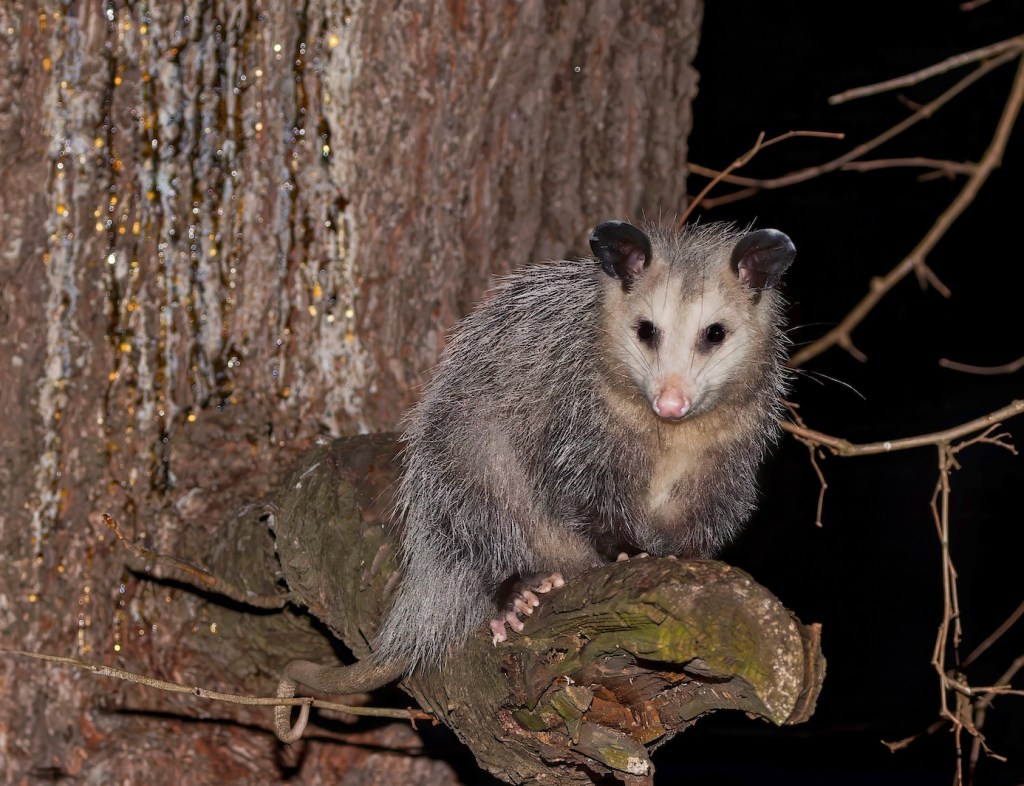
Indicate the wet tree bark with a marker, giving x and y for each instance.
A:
(230, 227)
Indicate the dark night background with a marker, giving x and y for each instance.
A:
(871, 575)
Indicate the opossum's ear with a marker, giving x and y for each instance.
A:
(760, 258)
(623, 250)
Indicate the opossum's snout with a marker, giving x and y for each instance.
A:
(672, 401)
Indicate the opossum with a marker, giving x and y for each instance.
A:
(587, 408)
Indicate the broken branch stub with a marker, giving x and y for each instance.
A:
(607, 669)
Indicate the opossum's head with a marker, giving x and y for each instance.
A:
(692, 315)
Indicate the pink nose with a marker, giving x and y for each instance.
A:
(671, 404)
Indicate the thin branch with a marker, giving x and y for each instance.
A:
(710, 203)
(230, 698)
(1007, 368)
(993, 637)
(941, 167)
(744, 159)
(1005, 677)
(199, 578)
(897, 745)
(970, 702)
(1014, 44)
(836, 164)
(915, 260)
(812, 452)
(980, 712)
(843, 447)
(950, 600)
(989, 691)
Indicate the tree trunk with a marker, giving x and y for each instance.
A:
(231, 227)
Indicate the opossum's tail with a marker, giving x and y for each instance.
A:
(365, 675)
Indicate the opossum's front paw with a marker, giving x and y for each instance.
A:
(523, 601)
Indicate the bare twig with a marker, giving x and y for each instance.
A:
(843, 447)
(980, 712)
(898, 745)
(841, 334)
(200, 578)
(993, 637)
(1004, 679)
(970, 701)
(836, 164)
(1014, 44)
(950, 600)
(812, 449)
(967, 712)
(759, 145)
(230, 698)
(710, 203)
(940, 167)
(1006, 368)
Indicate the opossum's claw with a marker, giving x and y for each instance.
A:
(525, 602)
(624, 557)
(549, 582)
(510, 618)
(498, 629)
(522, 603)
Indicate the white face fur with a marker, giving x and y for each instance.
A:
(682, 346)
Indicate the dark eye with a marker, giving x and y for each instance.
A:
(714, 334)
(646, 331)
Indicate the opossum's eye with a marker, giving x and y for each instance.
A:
(714, 334)
(647, 332)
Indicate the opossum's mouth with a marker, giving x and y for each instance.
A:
(676, 418)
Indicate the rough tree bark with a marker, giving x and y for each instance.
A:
(608, 669)
(230, 227)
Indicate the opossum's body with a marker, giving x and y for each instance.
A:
(538, 446)
(587, 408)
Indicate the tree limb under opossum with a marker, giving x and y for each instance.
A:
(607, 669)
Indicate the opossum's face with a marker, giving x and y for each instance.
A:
(681, 348)
(691, 323)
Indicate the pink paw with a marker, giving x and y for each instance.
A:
(522, 603)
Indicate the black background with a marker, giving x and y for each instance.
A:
(872, 574)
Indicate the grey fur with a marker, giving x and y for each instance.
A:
(532, 449)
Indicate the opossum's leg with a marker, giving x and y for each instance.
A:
(523, 601)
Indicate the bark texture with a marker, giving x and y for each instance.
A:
(609, 667)
(230, 227)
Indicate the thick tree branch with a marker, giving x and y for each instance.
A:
(608, 668)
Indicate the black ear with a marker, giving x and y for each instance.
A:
(623, 250)
(760, 258)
